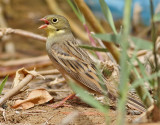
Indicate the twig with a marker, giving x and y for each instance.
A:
(57, 81)
(9, 46)
(2, 20)
(46, 122)
(3, 113)
(14, 90)
(58, 90)
(34, 112)
(143, 116)
(52, 4)
(103, 46)
(97, 27)
(50, 91)
(48, 72)
(92, 42)
(144, 31)
(136, 14)
(24, 61)
(6, 31)
(50, 77)
(10, 67)
(11, 70)
(141, 53)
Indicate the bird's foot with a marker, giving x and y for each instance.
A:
(62, 103)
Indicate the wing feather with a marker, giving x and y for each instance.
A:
(76, 62)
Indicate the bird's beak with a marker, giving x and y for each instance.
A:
(44, 25)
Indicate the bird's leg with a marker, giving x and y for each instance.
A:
(62, 103)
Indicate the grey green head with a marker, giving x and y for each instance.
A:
(55, 24)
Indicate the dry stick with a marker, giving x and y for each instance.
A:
(58, 90)
(46, 122)
(6, 31)
(24, 61)
(142, 53)
(11, 70)
(47, 72)
(57, 81)
(14, 90)
(111, 47)
(143, 117)
(9, 46)
(55, 8)
(10, 67)
(97, 27)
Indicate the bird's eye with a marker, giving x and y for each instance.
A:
(55, 20)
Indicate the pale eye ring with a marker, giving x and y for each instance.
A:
(55, 20)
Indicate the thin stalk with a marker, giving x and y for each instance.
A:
(82, 19)
(94, 23)
(124, 73)
(153, 35)
(93, 43)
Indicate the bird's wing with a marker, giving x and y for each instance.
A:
(76, 62)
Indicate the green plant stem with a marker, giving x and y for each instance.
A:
(2, 84)
(110, 46)
(91, 19)
(94, 48)
(86, 97)
(108, 15)
(124, 73)
(153, 35)
(93, 43)
(141, 91)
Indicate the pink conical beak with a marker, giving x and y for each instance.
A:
(44, 25)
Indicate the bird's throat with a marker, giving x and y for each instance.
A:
(54, 33)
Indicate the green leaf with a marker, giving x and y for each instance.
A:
(108, 15)
(150, 77)
(86, 97)
(77, 11)
(108, 37)
(2, 84)
(124, 72)
(94, 48)
(156, 17)
(142, 68)
(141, 43)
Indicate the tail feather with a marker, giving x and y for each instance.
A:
(136, 104)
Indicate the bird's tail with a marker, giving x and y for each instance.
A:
(135, 103)
(133, 100)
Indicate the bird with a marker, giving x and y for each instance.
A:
(74, 62)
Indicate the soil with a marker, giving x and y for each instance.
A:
(46, 114)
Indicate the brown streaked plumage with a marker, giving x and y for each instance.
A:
(73, 61)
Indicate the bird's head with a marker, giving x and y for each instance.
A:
(55, 24)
